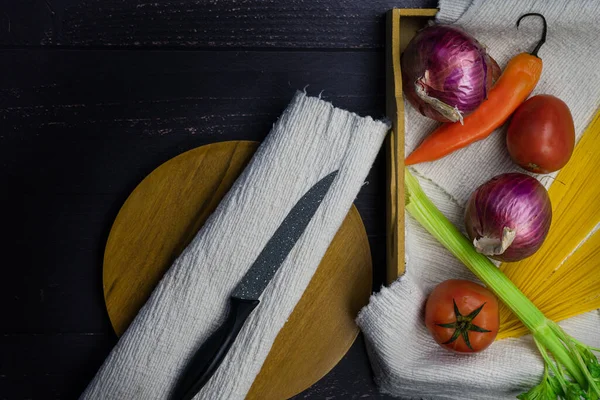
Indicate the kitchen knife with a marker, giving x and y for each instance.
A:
(244, 297)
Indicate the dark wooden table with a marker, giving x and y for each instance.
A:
(95, 94)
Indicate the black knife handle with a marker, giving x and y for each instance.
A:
(209, 356)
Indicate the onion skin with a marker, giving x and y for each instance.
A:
(514, 201)
(446, 73)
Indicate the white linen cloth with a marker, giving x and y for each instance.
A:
(310, 140)
(406, 361)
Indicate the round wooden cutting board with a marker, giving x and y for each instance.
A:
(165, 212)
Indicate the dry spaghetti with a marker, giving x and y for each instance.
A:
(561, 278)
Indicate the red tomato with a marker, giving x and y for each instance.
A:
(541, 134)
(462, 316)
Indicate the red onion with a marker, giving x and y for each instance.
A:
(508, 217)
(446, 73)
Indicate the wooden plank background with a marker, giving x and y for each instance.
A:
(95, 94)
(292, 24)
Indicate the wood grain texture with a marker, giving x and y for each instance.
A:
(343, 24)
(50, 365)
(81, 125)
(83, 119)
(401, 27)
(79, 130)
(162, 216)
(321, 329)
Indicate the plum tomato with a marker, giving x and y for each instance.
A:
(462, 316)
(541, 134)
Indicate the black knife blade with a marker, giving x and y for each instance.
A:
(245, 296)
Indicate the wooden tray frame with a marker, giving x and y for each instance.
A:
(401, 27)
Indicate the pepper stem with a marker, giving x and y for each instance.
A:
(543, 39)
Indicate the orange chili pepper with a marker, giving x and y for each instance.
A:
(512, 88)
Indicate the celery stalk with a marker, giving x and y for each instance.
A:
(573, 356)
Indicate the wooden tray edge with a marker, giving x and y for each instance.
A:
(395, 141)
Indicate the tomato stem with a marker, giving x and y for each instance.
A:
(576, 358)
(463, 324)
